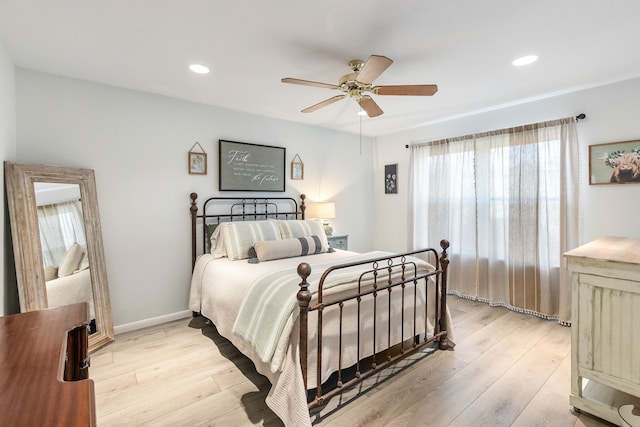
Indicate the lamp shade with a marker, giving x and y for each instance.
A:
(321, 210)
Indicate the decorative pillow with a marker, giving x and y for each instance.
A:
(239, 237)
(287, 248)
(50, 273)
(210, 240)
(70, 261)
(303, 228)
(84, 262)
(217, 242)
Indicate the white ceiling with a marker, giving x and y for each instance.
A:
(464, 46)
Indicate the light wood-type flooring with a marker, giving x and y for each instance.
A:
(507, 369)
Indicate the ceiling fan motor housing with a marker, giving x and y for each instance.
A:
(351, 86)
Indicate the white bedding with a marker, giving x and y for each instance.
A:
(218, 289)
(71, 289)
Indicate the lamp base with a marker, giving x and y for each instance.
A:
(328, 229)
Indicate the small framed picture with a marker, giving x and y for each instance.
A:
(615, 163)
(197, 160)
(297, 168)
(197, 163)
(391, 179)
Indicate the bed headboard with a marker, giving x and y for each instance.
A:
(222, 209)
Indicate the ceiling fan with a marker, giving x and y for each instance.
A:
(360, 81)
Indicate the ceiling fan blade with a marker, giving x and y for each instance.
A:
(415, 90)
(308, 83)
(370, 107)
(372, 69)
(323, 103)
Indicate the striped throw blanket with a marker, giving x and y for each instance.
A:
(269, 310)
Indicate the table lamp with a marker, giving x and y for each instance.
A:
(323, 211)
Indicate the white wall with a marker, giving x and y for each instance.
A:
(612, 115)
(137, 143)
(8, 291)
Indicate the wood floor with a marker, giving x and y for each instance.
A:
(507, 369)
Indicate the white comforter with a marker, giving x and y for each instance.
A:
(71, 289)
(218, 289)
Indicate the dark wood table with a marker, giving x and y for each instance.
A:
(44, 368)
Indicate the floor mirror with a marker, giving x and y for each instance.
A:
(57, 242)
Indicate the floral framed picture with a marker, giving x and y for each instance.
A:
(614, 163)
(297, 168)
(391, 179)
(197, 163)
(197, 160)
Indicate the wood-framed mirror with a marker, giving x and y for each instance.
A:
(59, 264)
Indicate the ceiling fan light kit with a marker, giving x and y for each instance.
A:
(360, 81)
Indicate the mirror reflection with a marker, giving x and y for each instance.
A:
(64, 246)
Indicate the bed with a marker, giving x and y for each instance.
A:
(314, 320)
(70, 282)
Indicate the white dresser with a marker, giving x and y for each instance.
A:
(605, 331)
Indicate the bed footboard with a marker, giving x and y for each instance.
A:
(382, 277)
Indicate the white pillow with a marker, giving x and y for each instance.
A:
(239, 237)
(84, 262)
(287, 248)
(217, 242)
(70, 261)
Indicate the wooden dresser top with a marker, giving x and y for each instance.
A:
(32, 359)
(617, 249)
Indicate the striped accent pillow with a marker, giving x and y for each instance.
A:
(287, 248)
(302, 228)
(239, 237)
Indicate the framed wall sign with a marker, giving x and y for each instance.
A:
(197, 160)
(297, 168)
(615, 163)
(251, 167)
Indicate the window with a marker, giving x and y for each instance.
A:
(61, 225)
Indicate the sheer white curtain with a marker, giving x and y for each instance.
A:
(61, 225)
(507, 201)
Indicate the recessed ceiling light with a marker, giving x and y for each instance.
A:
(198, 68)
(525, 60)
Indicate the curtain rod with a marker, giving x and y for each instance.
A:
(580, 116)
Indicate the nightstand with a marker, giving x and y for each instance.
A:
(339, 241)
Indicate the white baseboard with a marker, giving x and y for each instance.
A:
(134, 326)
